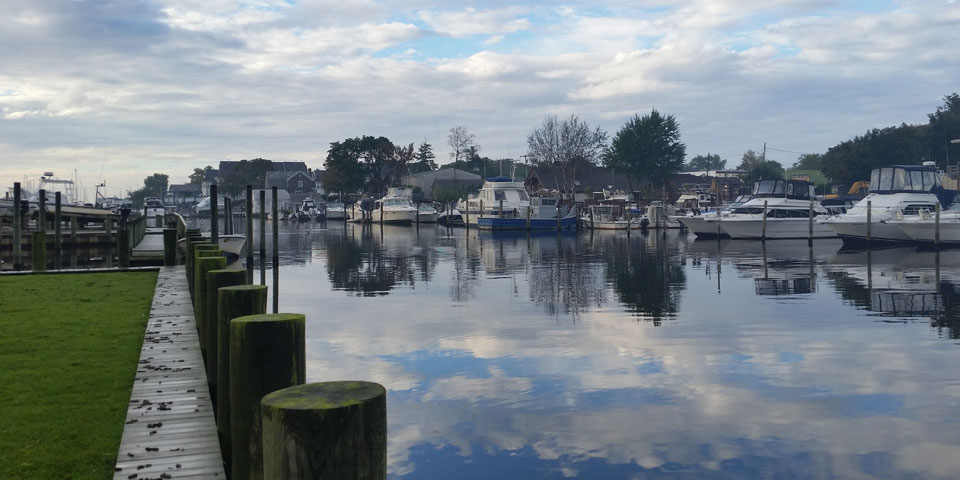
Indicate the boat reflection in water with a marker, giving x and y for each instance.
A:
(902, 282)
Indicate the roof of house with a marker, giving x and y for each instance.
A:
(591, 177)
(290, 167)
(185, 188)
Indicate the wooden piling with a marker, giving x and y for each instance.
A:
(558, 216)
(169, 247)
(500, 209)
(249, 234)
(17, 227)
(936, 227)
(233, 302)
(325, 430)
(276, 251)
(193, 252)
(528, 217)
(206, 261)
(227, 216)
(57, 231)
(214, 215)
(38, 250)
(216, 279)
(41, 210)
(263, 237)
(763, 223)
(810, 224)
(267, 353)
(123, 247)
(869, 221)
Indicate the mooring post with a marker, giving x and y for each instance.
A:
(263, 237)
(233, 302)
(249, 234)
(169, 247)
(869, 221)
(57, 231)
(108, 228)
(214, 215)
(74, 222)
(17, 227)
(810, 224)
(196, 244)
(276, 253)
(500, 209)
(763, 223)
(123, 247)
(936, 228)
(227, 215)
(217, 279)
(206, 261)
(42, 211)
(38, 248)
(267, 353)
(558, 215)
(528, 217)
(325, 430)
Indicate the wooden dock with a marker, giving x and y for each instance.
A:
(151, 247)
(170, 430)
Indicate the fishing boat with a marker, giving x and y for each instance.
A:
(778, 209)
(609, 217)
(896, 191)
(307, 210)
(232, 247)
(451, 218)
(152, 208)
(394, 208)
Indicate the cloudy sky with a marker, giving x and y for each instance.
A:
(120, 89)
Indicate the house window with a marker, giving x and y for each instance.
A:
(300, 183)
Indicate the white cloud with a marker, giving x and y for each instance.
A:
(471, 21)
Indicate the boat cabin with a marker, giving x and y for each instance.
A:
(793, 189)
(903, 179)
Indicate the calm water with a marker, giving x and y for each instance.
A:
(599, 356)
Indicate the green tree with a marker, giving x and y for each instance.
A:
(247, 172)
(648, 147)
(809, 161)
(709, 161)
(425, 159)
(153, 186)
(758, 168)
(565, 146)
(344, 173)
(942, 127)
(196, 178)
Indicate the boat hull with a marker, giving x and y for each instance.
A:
(611, 225)
(777, 228)
(427, 217)
(704, 227)
(394, 217)
(925, 231)
(855, 231)
(496, 223)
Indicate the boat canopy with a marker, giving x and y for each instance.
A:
(153, 202)
(903, 178)
(795, 189)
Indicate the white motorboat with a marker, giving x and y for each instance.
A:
(336, 211)
(495, 193)
(609, 217)
(202, 208)
(658, 215)
(704, 225)
(427, 214)
(307, 210)
(786, 206)
(395, 208)
(897, 191)
(923, 227)
(153, 207)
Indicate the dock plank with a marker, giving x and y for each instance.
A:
(170, 430)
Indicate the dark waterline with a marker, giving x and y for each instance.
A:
(654, 356)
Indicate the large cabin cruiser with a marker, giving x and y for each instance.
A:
(153, 207)
(396, 208)
(496, 191)
(896, 192)
(703, 225)
(787, 212)
(923, 227)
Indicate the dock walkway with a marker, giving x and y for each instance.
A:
(151, 247)
(170, 430)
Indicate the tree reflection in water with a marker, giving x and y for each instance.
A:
(364, 263)
(645, 276)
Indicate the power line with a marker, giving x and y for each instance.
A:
(786, 151)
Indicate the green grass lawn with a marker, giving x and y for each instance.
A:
(69, 346)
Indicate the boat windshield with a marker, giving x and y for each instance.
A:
(903, 179)
(796, 189)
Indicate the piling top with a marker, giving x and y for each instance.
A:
(245, 288)
(270, 317)
(324, 395)
(205, 246)
(208, 253)
(212, 263)
(228, 271)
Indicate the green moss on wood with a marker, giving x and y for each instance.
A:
(216, 279)
(202, 265)
(326, 395)
(233, 302)
(267, 353)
